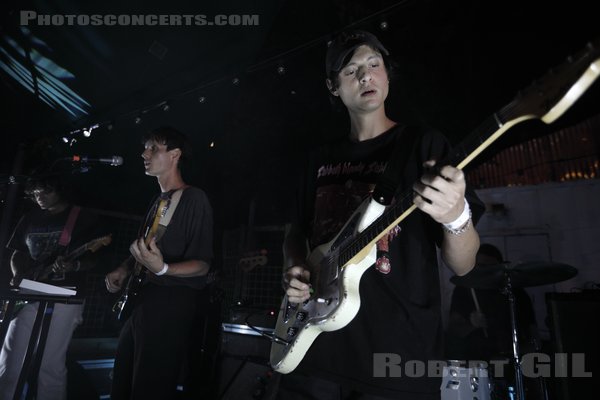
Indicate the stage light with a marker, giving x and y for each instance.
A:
(281, 70)
(165, 107)
(201, 99)
(383, 25)
(65, 139)
(87, 132)
(138, 120)
(235, 81)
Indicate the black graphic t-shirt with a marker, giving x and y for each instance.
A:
(399, 313)
(38, 234)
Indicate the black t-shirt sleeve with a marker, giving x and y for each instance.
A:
(199, 229)
(189, 236)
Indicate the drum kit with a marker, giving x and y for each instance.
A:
(473, 383)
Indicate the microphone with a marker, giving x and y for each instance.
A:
(114, 160)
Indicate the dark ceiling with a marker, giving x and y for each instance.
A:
(257, 92)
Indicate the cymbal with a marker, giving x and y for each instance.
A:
(526, 274)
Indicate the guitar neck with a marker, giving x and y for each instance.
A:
(460, 156)
(576, 78)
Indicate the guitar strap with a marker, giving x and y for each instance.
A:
(65, 236)
(168, 204)
(388, 181)
(162, 212)
(173, 202)
(387, 186)
(161, 209)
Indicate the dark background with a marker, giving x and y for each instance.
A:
(459, 62)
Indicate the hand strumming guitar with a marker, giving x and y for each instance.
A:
(115, 279)
(295, 280)
(150, 257)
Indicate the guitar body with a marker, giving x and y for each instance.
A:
(336, 299)
(126, 302)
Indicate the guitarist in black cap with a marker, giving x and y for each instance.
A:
(55, 243)
(399, 316)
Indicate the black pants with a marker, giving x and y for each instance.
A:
(159, 343)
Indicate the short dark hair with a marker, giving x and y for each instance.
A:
(491, 251)
(345, 44)
(48, 183)
(342, 48)
(173, 139)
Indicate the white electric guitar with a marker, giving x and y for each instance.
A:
(338, 266)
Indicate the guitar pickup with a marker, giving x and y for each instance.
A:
(301, 316)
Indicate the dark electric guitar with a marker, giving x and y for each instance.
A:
(46, 271)
(124, 305)
(337, 267)
(122, 308)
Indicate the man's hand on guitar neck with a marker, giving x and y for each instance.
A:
(295, 282)
(441, 194)
(58, 269)
(61, 265)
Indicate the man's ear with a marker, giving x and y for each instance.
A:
(175, 153)
(332, 90)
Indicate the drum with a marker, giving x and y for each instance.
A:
(462, 380)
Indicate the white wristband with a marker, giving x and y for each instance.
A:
(461, 220)
(164, 270)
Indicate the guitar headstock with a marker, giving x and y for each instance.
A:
(100, 242)
(552, 95)
(253, 260)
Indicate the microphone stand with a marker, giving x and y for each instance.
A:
(520, 392)
(11, 200)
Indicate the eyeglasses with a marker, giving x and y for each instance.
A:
(41, 191)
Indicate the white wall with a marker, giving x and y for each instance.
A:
(557, 222)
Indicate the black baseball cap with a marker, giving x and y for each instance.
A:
(345, 43)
